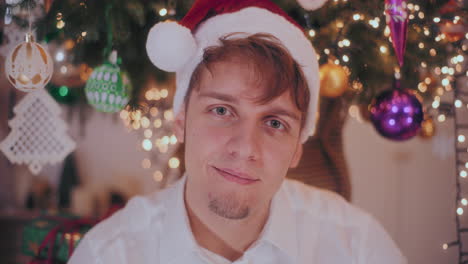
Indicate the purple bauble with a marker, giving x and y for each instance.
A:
(397, 114)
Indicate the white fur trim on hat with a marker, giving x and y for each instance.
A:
(250, 21)
(170, 46)
(311, 4)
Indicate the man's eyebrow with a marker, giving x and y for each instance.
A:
(220, 96)
(280, 111)
(229, 98)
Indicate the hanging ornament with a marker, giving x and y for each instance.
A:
(333, 80)
(397, 114)
(28, 66)
(397, 20)
(37, 134)
(427, 128)
(453, 31)
(450, 7)
(108, 89)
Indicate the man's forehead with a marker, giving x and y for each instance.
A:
(238, 80)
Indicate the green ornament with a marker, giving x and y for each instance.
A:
(108, 89)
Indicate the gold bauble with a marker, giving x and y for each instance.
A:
(333, 80)
(28, 66)
(427, 128)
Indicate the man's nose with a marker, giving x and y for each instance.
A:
(245, 142)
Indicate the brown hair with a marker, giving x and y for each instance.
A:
(273, 66)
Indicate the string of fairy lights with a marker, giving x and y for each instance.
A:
(158, 141)
(461, 159)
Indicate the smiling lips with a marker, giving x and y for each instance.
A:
(236, 177)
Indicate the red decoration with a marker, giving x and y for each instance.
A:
(47, 5)
(452, 31)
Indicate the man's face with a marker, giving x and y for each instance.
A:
(237, 152)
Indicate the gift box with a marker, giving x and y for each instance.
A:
(53, 237)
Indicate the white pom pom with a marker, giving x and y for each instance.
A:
(311, 4)
(170, 46)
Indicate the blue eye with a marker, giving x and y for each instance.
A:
(220, 110)
(276, 124)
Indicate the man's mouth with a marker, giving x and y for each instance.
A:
(235, 176)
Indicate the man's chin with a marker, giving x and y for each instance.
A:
(228, 207)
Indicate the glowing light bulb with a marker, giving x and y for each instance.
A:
(174, 163)
(164, 93)
(464, 202)
(163, 12)
(145, 122)
(165, 140)
(158, 176)
(445, 82)
(173, 139)
(441, 118)
(339, 24)
(461, 138)
(148, 133)
(463, 174)
(383, 49)
(60, 56)
(168, 115)
(157, 123)
(147, 145)
(60, 24)
(312, 33)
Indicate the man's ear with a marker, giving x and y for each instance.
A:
(179, 124)
(297, 156)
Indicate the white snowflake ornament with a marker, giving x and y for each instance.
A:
(37, 134)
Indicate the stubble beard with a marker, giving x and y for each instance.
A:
(228, 207)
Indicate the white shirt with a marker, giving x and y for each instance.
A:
(305, 225)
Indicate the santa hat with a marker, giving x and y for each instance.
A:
(179, 46)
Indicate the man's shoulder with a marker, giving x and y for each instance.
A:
(311, 201)
(139, 215)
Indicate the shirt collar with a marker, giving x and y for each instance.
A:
(281, 228)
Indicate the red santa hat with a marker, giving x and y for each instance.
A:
(179, 46)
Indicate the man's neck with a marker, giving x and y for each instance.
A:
(225, 237)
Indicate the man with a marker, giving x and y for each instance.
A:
(245, 102)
